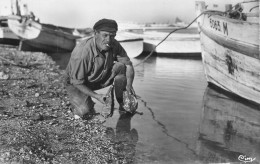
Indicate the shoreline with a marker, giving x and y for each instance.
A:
(37, 125)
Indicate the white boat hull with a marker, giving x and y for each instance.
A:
(231, 70)
(230, 54)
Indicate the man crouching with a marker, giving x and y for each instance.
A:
(96, 63)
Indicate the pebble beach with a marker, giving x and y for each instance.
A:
(36, 122)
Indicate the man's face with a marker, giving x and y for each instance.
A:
(104, 39)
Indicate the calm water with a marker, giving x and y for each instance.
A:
(184, 120)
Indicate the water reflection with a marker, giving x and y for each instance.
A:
(125, 137)
(229, 127)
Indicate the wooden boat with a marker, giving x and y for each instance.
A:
(229, 128)
(37, 36)
(230, 48)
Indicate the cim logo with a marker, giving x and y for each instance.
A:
(245, 159)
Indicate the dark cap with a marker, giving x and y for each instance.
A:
(106, 25)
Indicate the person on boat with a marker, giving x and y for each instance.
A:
(96, 63)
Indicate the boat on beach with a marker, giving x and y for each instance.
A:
(36, 36)
(230, 47)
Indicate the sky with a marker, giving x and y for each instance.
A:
(84, 13)
(87, 12)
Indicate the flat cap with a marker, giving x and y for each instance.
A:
(105, 25)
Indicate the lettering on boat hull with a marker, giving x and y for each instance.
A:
(219, 26)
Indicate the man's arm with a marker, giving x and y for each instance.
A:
(130, 73)
(89, 92)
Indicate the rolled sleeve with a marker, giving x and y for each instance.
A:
(78, 71)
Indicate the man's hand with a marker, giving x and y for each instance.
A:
(130, 78)
(130, 89)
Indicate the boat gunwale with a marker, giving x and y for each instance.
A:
(232, 20)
